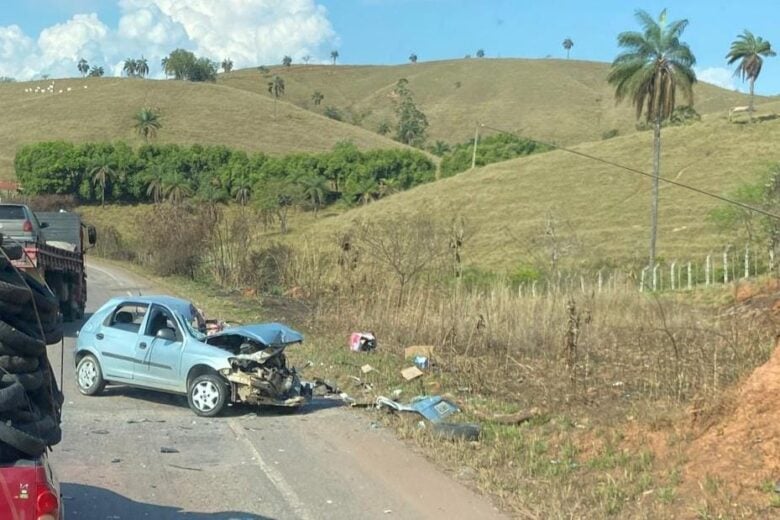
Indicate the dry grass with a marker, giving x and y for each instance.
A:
(603, 209)
(192, 113)
(566, 101)
(603, 442)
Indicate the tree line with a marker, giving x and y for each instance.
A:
(116, 172)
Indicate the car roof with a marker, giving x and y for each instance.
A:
(183, 307)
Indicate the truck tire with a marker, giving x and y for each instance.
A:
(31, 381)
(17, 364)
(12, 397)
(16, 438)
(19, 342)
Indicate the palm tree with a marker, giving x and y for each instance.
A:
(147, 123)
(388, 186)
(306, 59)
(314, 188)
(154, 188)
(480, 53)
(317, 97)
(568, 44)
(334, 55)
(83, 67)
(100, 176)
(366, 190)
(142, 67)
(130, 67)
(176, 188)
(653, 66)
(164, 65)
(287, 61)
(242, 189)
(276, 89)
(96, 72)
(413, 58)
(227, 65)
(750, 51)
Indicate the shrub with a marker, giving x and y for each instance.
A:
(491, 149)
(609, 134)
(333, 113)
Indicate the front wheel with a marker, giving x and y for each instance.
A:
(207, 395)
(89, 377)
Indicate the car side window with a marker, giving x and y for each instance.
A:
(161, 318)
(128, 317)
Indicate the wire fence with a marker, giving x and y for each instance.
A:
(724, 267)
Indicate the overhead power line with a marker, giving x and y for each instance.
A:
(640, 172)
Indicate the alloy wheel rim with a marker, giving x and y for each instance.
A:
(87, 374)
(205, 396)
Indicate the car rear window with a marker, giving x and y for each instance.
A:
(12, 213)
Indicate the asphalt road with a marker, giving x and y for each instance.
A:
(323, 462)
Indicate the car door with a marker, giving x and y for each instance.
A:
(158, 358)
(116, 340)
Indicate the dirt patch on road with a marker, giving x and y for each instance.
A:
(742, 451)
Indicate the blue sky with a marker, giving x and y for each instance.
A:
(365, 31)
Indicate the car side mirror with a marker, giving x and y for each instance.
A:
(166, 333)
(91, 235)
(44, 225)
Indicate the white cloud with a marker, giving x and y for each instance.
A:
(720, 76)
(249, 32)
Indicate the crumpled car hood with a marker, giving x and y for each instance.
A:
(269, 334)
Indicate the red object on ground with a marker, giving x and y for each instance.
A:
(362, 341)
(29, 491)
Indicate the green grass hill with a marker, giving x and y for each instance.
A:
(566, 101)
(191, 113)
(602, 212)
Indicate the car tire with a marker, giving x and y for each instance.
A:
(89, 377)
(207, 395)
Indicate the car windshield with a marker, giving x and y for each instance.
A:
(192, 322)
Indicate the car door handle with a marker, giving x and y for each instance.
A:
(99, 335)
(142, 345)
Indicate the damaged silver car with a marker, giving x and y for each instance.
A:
(158, 342)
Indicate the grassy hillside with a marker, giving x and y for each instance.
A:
(602, 212)
(566, 101)
(191, 113)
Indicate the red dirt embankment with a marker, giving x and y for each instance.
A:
(743, 449)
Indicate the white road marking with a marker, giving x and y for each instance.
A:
(276, 478)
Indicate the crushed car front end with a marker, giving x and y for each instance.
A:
(259, 373)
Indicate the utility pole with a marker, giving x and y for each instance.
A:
(474, 154)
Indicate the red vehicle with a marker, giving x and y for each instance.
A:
(60, 260)
(29, 491)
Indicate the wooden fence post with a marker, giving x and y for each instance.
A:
(747, 261)
(671, 272)
(655, 277)
(690, 285)
(707, 270)
(726, 265)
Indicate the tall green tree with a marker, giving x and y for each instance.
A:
(101, 176)
(147, 123)
(749, 51)
(314, 188)
(130, 67)
(176, 188)
(227, 65)
(96, 72)
(413, 58)
(568, 44)
(155, 183)
(287, 61)
(241, 189)
(480, 53)
(412, 122)
(276, 89)
(142, 67)
(317, 97)
(83, 67)
(654, 65)
(334, 55)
